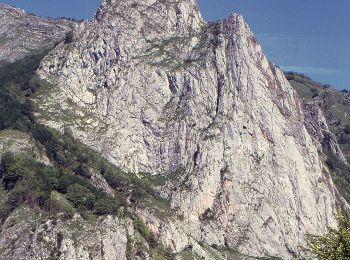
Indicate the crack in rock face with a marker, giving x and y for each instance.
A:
(154, 88)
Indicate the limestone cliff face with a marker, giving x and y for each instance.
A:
(156, 89)
(29, 235)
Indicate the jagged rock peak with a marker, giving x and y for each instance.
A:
(161, 15)
(154, 88)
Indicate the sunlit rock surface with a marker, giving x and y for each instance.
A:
(156, 89)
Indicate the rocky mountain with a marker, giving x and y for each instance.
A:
(332, 108)
(210, 151)
(22, 33)
(335, 104)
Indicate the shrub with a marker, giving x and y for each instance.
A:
(59, 239)
(28, 88)
(106, 206)
(315, 92)
(81, 196)
(11, 171)
(33, 183)
(83, 171)
(335, 163)
(5, 210)
(335, 244)
(145, 232)
(207, 215)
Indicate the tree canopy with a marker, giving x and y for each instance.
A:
(335, 244)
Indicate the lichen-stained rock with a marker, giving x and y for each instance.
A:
(22, 33)
(156, 89)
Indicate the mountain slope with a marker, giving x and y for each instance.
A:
(22, 34)
(334, 106)
(334, 103)
(59, 199)
(155, 89)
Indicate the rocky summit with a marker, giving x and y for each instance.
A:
(197, 107)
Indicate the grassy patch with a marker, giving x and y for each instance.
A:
(4, 40)
(15, 134)
(303, 90)
(169, 53)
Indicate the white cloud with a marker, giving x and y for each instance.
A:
(311, 70)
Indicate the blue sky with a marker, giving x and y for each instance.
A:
(308, 36)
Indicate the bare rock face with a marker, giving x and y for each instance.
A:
(154, 88)
(317, 126)
(17, 142)
(30, 234)
(22, 33)
(27, 234)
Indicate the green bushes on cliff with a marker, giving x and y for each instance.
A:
(335, 244)
(340, 174)
(30, 182)
(145, 232)
(65, 185)
(18, 80)
(33, 183)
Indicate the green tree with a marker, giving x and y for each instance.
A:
(12, 170)
(81, 196)
(105, 206)
(335, 244)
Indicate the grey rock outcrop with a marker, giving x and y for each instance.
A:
(30, 234)
(22, 33)
(154, 88)
(317, 126)
(16, 142)
(27, 234)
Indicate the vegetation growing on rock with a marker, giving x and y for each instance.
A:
(335, 105)
(201, 106)
(65, 187)
(335, 244)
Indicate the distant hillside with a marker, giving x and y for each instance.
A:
(335, 105)
(22, 33)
